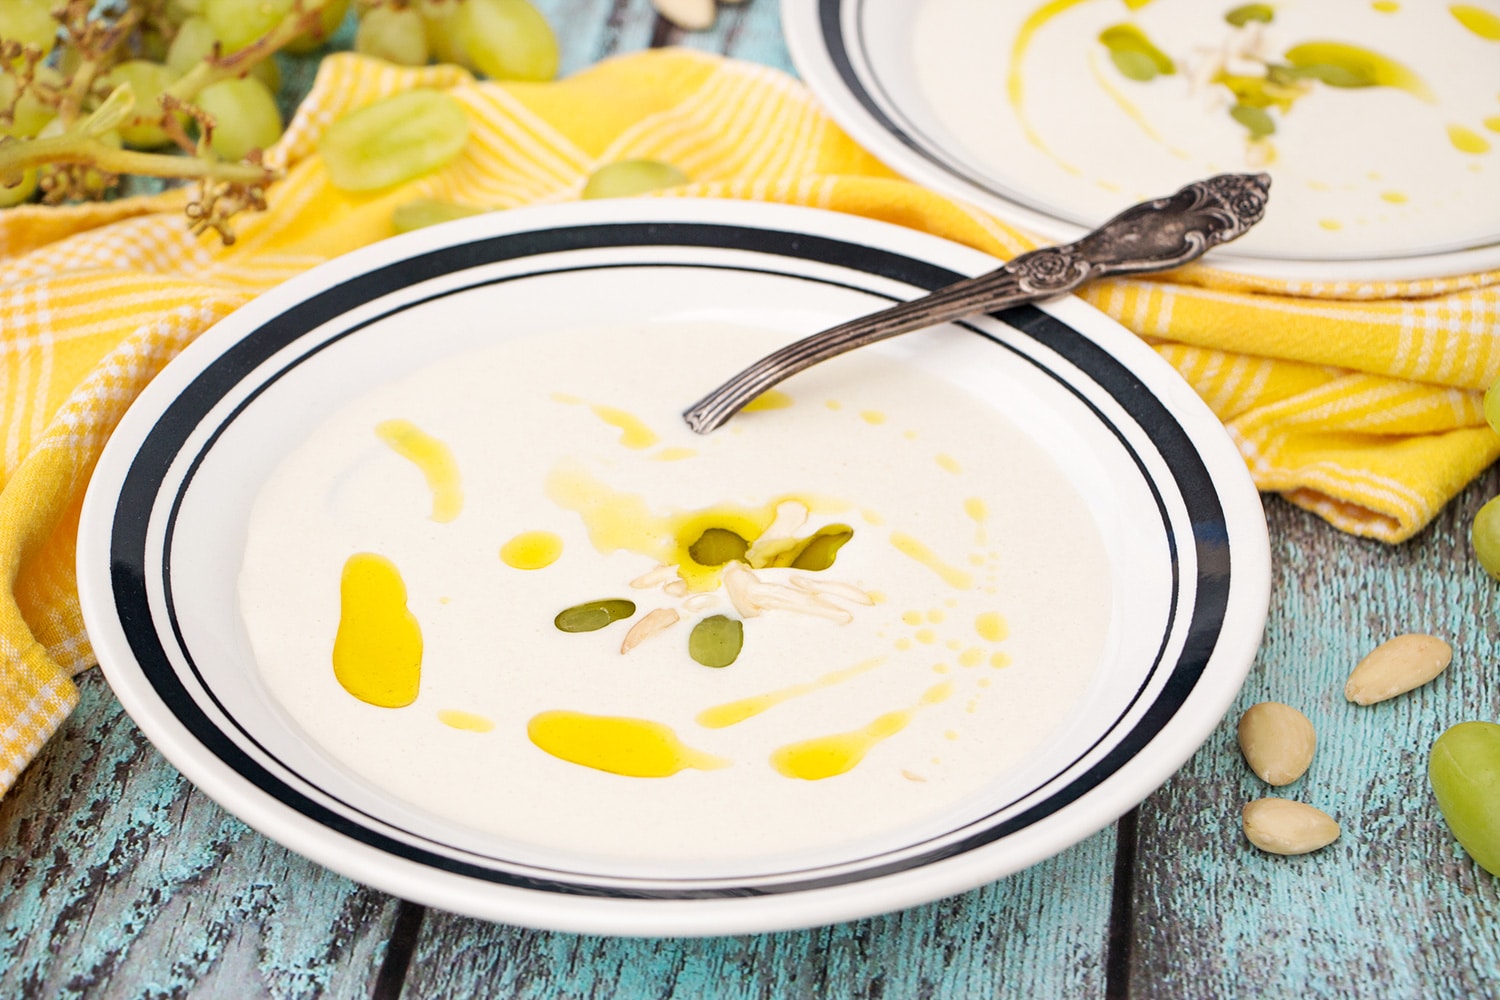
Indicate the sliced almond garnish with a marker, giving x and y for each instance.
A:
(656, 622)
(791, 515)
(833, 588)
(653, 578)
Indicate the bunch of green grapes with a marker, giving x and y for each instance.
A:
(188, 88)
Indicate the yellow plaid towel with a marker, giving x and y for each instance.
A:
(1360, 402)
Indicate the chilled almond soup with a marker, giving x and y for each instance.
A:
(515, 591)
(1379, 122)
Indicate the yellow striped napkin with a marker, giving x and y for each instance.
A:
(1361, 402)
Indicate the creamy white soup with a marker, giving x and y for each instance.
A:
(515, 591)
(1379, 122)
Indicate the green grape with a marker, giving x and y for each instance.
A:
(192, 44)
(1484, 534)
(29, 22)
(624, 178)
(330, 16)
(245, 116)
(394, 140)
(397, 36)
(1464, 769)
(178, 11)
(31, 114)
(508, 39)
(1492, 405)
(147, 80)
(20, 193)
(444, 40)
(424, 212)
(237, 23)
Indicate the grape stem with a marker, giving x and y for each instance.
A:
(219, 67)
(16, 157)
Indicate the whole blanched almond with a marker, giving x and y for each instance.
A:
(1397, 666)
(1282, 826)
(690, 15)
(1278, 742)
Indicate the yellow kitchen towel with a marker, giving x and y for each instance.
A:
(1361, 402)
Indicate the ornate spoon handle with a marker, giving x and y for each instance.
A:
(1151, 236)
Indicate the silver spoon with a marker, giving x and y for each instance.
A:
(1151, 236)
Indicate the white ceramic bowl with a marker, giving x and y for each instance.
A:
(166, 517)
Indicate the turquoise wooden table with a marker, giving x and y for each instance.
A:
(119, 879)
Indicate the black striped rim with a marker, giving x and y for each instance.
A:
(145, 491)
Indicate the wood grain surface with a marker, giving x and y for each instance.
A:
(121, 880)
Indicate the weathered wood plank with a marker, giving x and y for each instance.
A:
(1042, 932)
(122, 880)
(1393, 908)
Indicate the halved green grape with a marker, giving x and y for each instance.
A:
(147, 80)
(1492, 405)
(394, 140)
(330, 16)
(397, 36)
(1484, 535)
(424, 212)
(625, 178)
(245, 116)
(508, 39)
(29, 22)
(1464, 769)
(237, 23)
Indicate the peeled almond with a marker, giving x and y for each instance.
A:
(1397, 666)
(1281, 826)
(1278, 742)
(690, 15)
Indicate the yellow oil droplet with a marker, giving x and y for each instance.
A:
(872, 517)
(926, 636)
(1015, 84)
(977, 511)
(771, 399)
(991, 625)
(950, 603)
(971, 657)
(730, 713)
(1466, 140)
(566, 398)
(531, 550)
(941, 668)
(909, 435)
(674, 454)
(1331, 224)
(634, 433)
(953, 644)
(950, 734)
(833, 404)
(828, 756)
(1493, 123)
(975, 559)
(1000, 661)
(872, 417)
(876, 596)
(903, 643)
(912, 617)
(377, 650)
(949, 464)
(445, 600)
(433, 458)
(1109, 186)
(467, 721)
(934, 615)
(1478, 20)
(1394, 197)
(910, 547)
(984, 682)
(1386, 6)
(635, 748)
